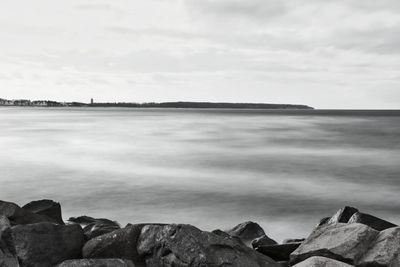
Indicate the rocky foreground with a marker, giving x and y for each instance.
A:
(35, 235)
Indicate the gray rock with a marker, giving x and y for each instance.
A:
(263, 241)
(343, 242)
(384, 250)
(372, 221)
(46, 244)
(293, 240)
(47, 208)
(187, 246)
(8, 256)
(278, 252)
(97, 263)
(343, 215)
(247, 232)
(321, 262)
(93, 227)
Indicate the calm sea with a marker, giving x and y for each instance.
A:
(211, 168)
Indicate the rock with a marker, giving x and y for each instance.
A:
(343, 215)
(185, 245)
(97, 263)
(8, 256)
(383, 251)
(47, 208)
(343, 242)
(263, 241)
(321, 262)
(247, 232)
(283, 263)
(46, 244)
(278, 252)
(323, 221)
(372, 221)
(294, 240)
(93, 227)
(17, 215)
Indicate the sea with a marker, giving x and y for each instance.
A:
(212, 168)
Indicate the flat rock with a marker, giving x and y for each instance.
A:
(93, 227)
(97, 263)
(321, 262)
(384, 250)
(46, 244)
(263, 241)
(47, 208)
(343, 242)
(372, 221)
(278, 252)
(247, 232)
(186, 245)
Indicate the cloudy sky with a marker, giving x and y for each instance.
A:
(327, 54)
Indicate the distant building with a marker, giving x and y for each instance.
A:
(91, 101)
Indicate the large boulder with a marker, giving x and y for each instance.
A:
(47, 208)
(97, 263)
(247, 232)
(187, 246)
(372, 221)
(263, 241)
(343, 242)
(46, 244)
(8, 256)
(278, 252)
(321, 262)
(384, 250)
(93, 227)
(18, 215)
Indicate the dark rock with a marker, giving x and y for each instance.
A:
(283, 263)
(372, 221)
(343, 215)
(185, 245)
(93, 227)
(278, 252)
(8, 256)
(247, 232)
(323, 221)
(17, 215)
(321, 262)
(263, 241)
(47, 208)
(97, 263)
(383, 251)
(294, 240)
(343, 242)
(46, 244)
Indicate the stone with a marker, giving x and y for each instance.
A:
(186, 245)
(247, 232)
(372, 221)
(263, 241)
(47, 208)
(343, 242)
(293, 240)
(323, 221)
(383, 251)
(46, 244)
(93, 227)
(97, 263)
(343, 215)
(8, 256)
(321, 262)
(278, 252)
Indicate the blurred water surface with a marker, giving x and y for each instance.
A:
(211, 168)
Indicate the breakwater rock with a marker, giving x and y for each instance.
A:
(35, 235)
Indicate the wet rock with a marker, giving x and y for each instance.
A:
(46, 244)
(321, 262)
(383, 251)
(343, 242)
(343, 215)
(293, 240)
(185, 245)
(47, 208)
(372, 221)
(278, 252)
(247, 232)
(93, 227)
(97, 263)
(263, 241)
(17, 215)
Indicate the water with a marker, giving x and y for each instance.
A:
(211, 168)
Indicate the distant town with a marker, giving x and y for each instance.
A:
(180, 104)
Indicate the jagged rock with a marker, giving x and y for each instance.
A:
(323, 221)
(278, 252)
(293, 240)
(263, 241)
(186, 245)
(97, 263)
(47, 208)
(343, 242)
(17, 215)
(383, 251)
(8, 256)
(93, 227)
(343, 215)
(247, 232)
(46, 244)
(321, 262)
(372, 221)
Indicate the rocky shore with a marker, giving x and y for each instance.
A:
(35, 235)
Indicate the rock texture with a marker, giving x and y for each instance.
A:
(8, 257)
(93, 227)
(263, 241)
(97, 263)
(321, 262)
(278, 252)
(343, 215)
(185, 245)
(47, 208)
(46, 244)
(247, 232)
(372, 221)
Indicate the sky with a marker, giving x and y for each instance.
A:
(326, 54)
